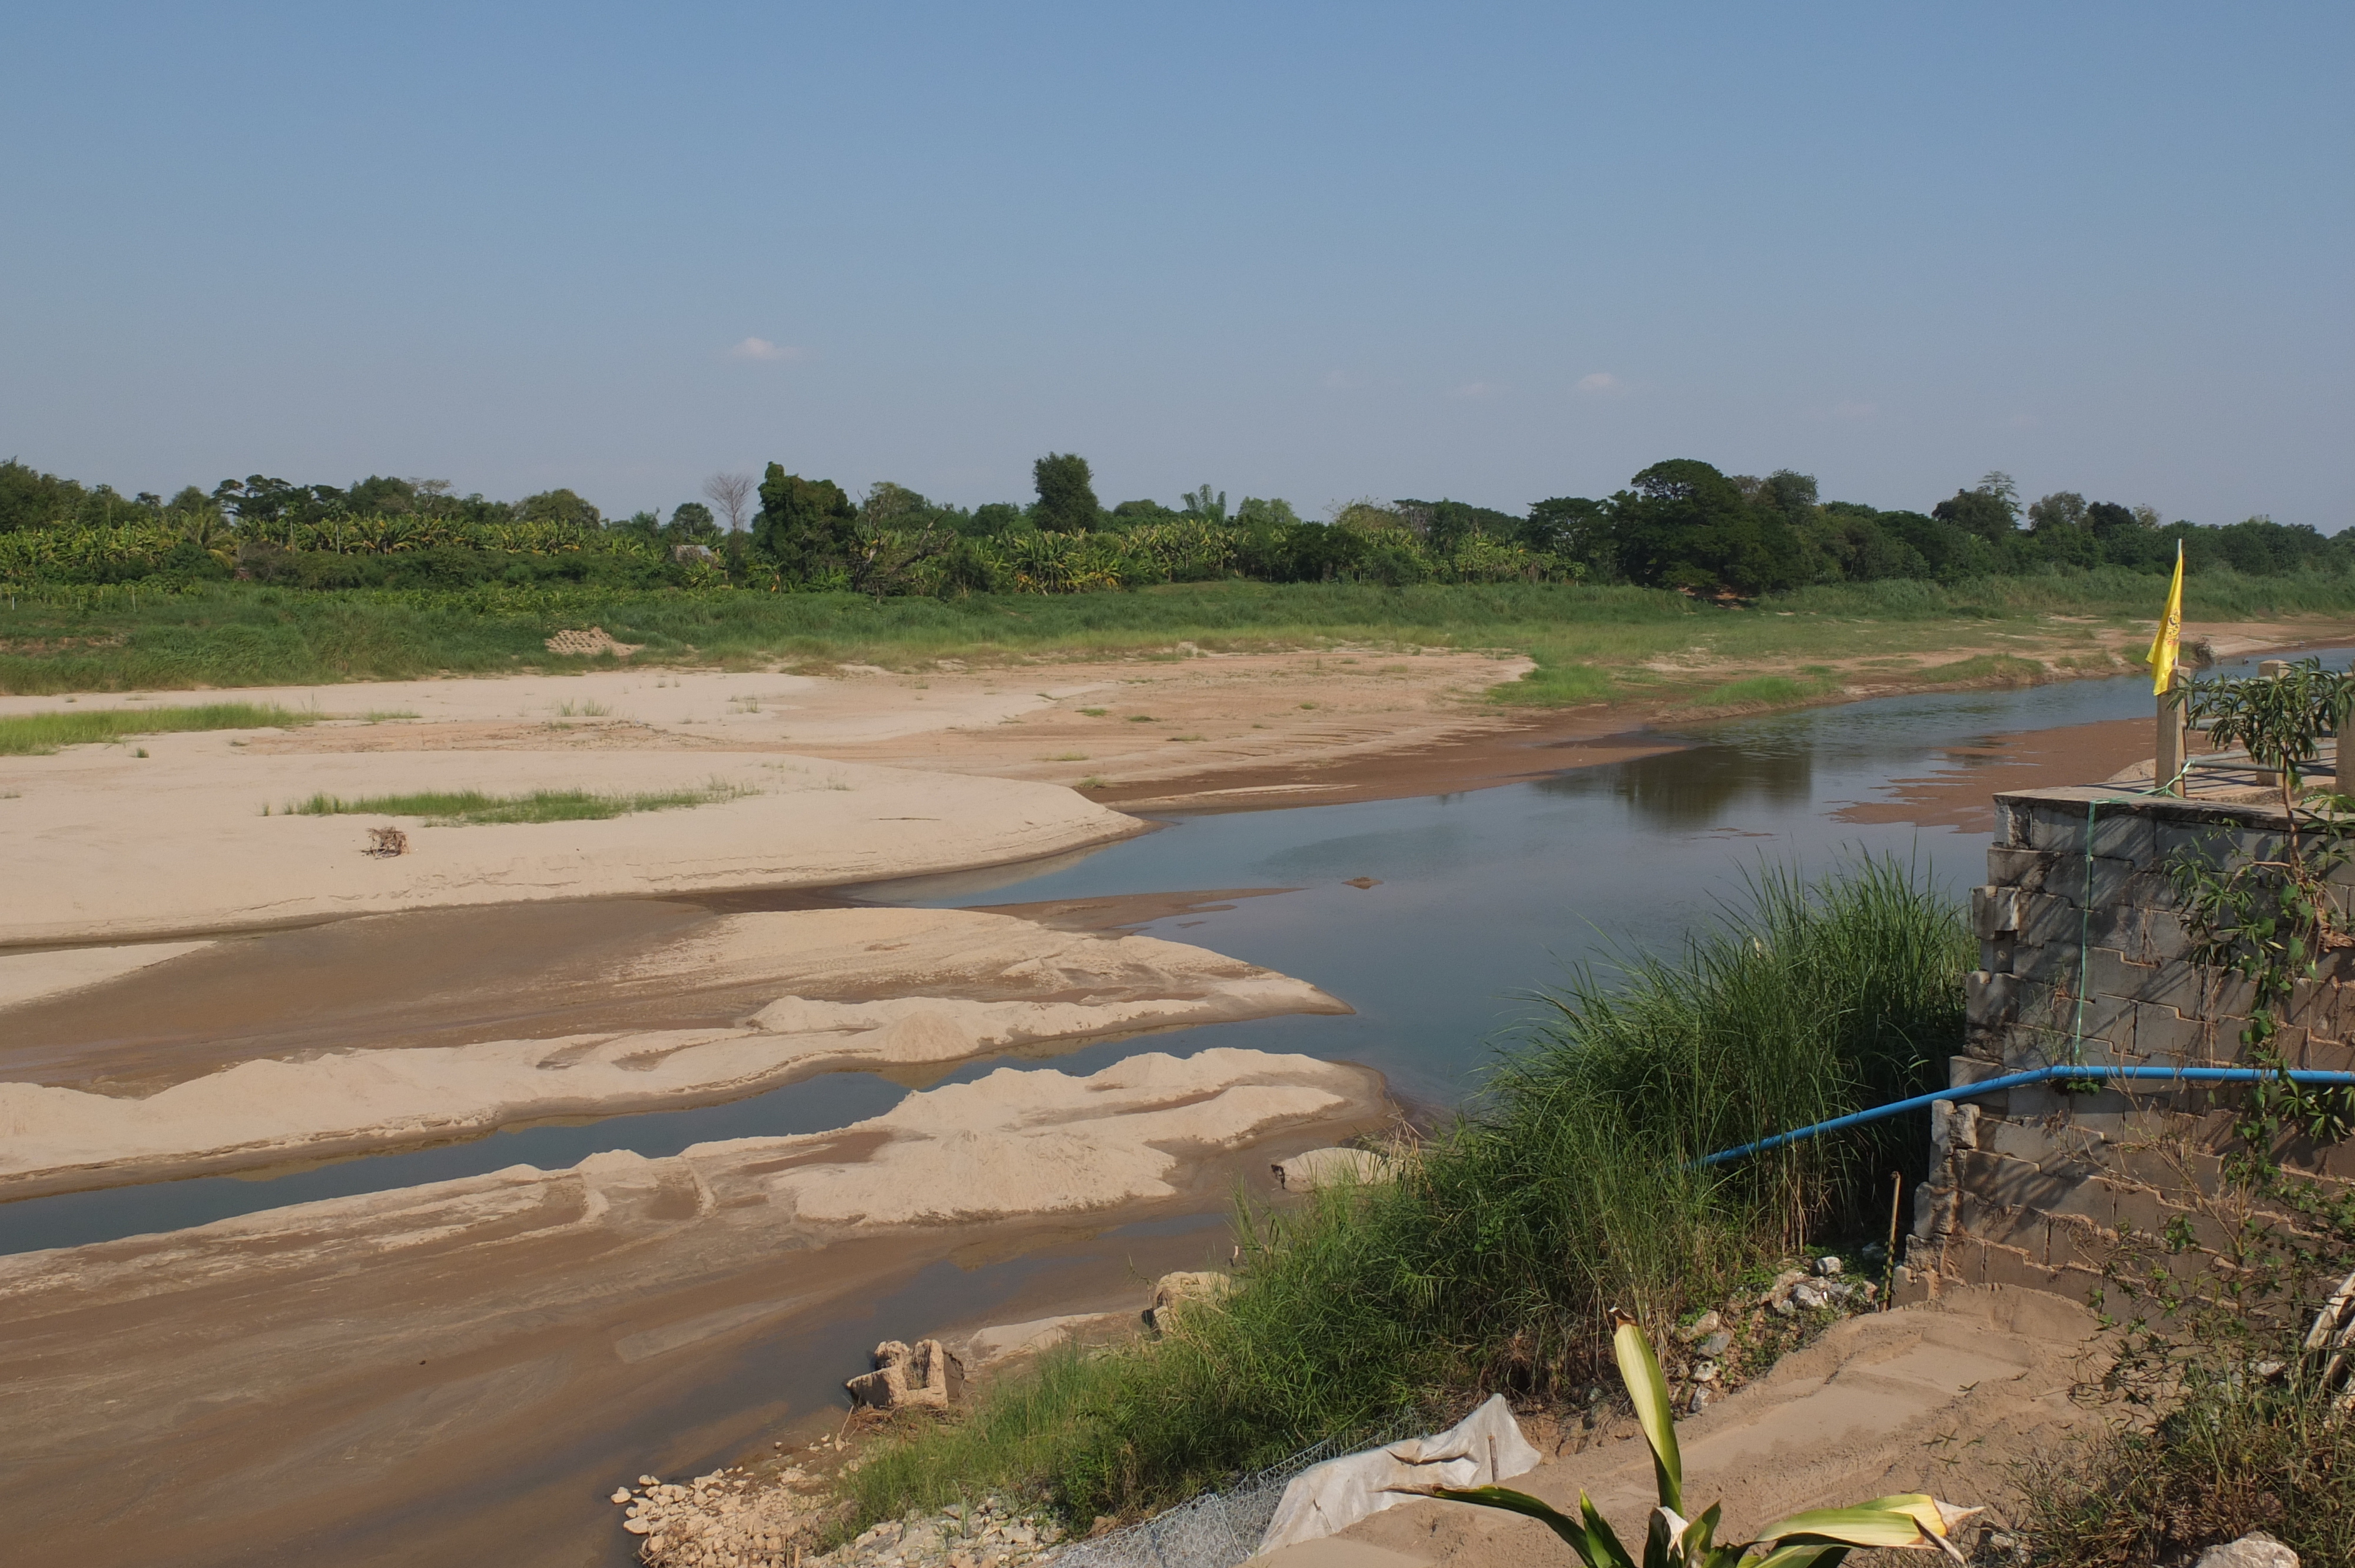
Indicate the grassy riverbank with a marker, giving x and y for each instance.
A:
(1568, 1189)
(1589, 643)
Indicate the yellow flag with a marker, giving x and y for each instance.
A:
(2163, 647)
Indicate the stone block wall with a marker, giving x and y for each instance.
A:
(2084, 958)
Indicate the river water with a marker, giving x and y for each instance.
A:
(1471, 905)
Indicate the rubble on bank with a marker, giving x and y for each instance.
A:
(732, 1518)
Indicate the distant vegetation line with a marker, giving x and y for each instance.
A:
(1680, 526)
(1589, 643)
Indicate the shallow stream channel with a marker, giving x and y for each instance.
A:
(1439, 918)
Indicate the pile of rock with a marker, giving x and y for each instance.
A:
(992, 1533)
(1794, 1292)
(924, 1378)
(724, 1520)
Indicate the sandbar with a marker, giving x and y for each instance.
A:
(454, 1372)
(848, 988)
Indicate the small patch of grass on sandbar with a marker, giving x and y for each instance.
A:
(38, 735)
(472, 807)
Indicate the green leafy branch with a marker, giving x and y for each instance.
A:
(2270, 920)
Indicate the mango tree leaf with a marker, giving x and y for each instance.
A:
(1641, 1372)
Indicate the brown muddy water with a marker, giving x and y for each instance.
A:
(1437, 918)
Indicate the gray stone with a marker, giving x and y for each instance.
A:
(1698, 1329)
(2257, 1550)
(2025, 868)
(1717, 1344)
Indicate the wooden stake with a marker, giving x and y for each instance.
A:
(2169, 765)
(1889, 1274)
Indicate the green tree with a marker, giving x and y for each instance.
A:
(804, 526)
(1266, 512)
(1992, 511)
(31, 499)
(1203, 506)
(995, 520)
(1577, 529)
(2061, 509)
(889, 504)
(691, 523)
(1685, 525)
(1067, 495)
(558, 506)
(380, 495)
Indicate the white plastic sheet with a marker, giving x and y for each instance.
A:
(1484, 1448)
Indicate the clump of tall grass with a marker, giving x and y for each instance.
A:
(1570, 1187)
(472, 807)
(38, 735)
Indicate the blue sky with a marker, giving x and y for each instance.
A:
(1494, 252)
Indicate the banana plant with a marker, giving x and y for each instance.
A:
(1817, 1538)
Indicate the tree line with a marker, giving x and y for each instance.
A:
(1681, 524)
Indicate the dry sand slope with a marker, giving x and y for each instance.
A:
(342, 1382)
(845, 988)
(1943, 1397)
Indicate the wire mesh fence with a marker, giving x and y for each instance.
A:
(1222, 1529)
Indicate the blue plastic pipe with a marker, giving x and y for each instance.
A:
(2040, 1075)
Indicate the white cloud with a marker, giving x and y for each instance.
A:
(1601, 384)
(1472, 390)
(761, 348)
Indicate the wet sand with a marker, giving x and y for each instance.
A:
(1961, 794)
(336, 1384)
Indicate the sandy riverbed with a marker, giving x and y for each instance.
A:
(455, 1372)
(838, 987)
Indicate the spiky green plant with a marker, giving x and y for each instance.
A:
(1818, 1538)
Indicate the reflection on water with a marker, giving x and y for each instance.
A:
(1696, 788)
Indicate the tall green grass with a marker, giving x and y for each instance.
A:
(38, 735)
(1568, 1188)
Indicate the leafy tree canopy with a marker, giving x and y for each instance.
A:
(1685, 525)
(803, 523)
(558, 506)
(691, 523)
(1067, 495)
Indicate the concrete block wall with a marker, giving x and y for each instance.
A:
(2084, 958)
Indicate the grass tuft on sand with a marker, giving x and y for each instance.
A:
(1567, 1187)
(472, 807)
(40, 735)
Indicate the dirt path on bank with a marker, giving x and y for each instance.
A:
(1944, 1398)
